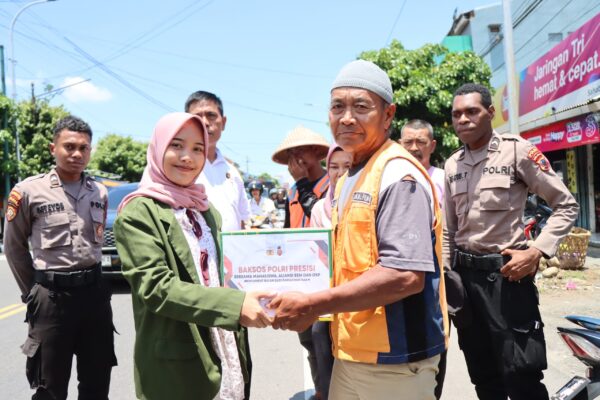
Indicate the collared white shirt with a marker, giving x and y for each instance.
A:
(437, 175)
(225, 190)
(264, 207)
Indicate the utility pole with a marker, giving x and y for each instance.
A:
(4, 125)
(511, 75)
(14, 76)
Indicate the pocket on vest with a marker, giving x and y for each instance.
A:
(358, 251)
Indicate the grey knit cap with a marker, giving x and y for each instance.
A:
(365, 75)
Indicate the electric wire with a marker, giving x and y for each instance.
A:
(387, 41)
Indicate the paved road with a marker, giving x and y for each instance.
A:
(280, 371)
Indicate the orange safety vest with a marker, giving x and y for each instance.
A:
(367, 336)
(297, 217)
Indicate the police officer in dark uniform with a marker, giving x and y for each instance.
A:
(487, 181)
(60, 215)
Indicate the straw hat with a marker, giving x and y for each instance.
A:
(300, 136)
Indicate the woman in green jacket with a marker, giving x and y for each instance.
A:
(190, 343)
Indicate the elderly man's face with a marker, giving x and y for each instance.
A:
(359, 121)
(418, 143)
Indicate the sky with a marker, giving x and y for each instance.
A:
(271, 62)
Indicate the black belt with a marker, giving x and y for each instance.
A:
(68, 279)
(487, 262)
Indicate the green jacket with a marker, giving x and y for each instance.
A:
(173, 356)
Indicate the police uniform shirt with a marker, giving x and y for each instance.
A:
(65, 227)
(485, 194)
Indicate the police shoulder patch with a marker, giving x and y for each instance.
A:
(538, 158)
(14, 202)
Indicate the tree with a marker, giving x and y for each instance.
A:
(120, 155)
(265, 177)
(424, 81)
(36, 120)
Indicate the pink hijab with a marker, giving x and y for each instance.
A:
(154, 183)
(331, 191)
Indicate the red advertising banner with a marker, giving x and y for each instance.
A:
(565, 134)
(571, 65)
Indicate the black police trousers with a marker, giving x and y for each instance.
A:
(504, 345)
(63, 323)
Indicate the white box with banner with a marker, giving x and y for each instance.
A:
(279, 260)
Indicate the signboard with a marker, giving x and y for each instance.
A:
(571, 68)
(277, 260)
(567, 75)
(573, 132)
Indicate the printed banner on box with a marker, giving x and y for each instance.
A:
(279, 260)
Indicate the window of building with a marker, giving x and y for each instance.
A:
(555, 37)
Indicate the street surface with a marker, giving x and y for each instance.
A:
(280, 369)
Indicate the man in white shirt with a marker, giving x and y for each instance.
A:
(223, 183)
(417, 137)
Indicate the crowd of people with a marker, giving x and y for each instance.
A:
(413, 247)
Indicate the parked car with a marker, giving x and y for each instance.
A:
(111, 263)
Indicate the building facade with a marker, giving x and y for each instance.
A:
(556, 48)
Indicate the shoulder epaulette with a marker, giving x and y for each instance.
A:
(34, 177)
(457, 150)
(511, 137)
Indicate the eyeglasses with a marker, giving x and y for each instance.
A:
(197, 230)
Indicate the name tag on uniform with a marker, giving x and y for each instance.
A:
(362, 197)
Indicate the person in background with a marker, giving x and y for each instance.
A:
(302, 151)
(417, 137)
(62, 215)
(259, 205)
(222, 181)
(273, 194)
(281, 200)
(338, 162)
(190, 341)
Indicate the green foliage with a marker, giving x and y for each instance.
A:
(35, 121)
(424, 81)
(265, 177)
(120, 155)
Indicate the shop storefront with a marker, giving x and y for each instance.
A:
(572, 147)
(559, 112)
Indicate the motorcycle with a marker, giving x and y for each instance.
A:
(585, 345)
(535, 217)
(275, 219)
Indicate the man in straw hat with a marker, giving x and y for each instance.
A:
(302, 151)
(388, 305)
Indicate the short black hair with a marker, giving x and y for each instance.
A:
(486, 96)
(71, 123)
(202, 95)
